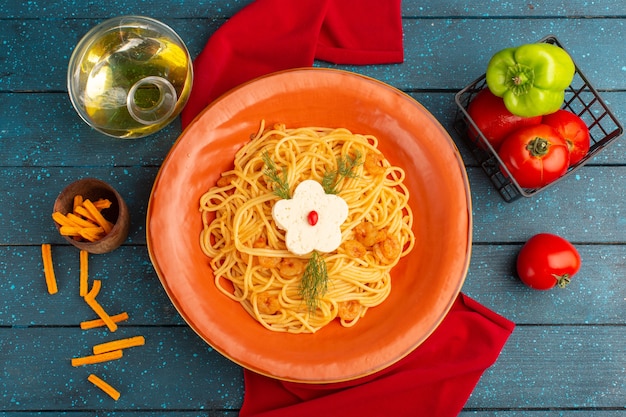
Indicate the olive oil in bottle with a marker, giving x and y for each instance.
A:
(131, 80)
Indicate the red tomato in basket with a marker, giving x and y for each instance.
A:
(574, 131)
(493, 119)
(547, 260)
(535, 155)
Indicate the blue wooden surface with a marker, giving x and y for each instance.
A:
(567, 356)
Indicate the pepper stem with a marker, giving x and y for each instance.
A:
(538, 147)
(521, 79)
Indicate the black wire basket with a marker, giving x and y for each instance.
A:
(581, 98)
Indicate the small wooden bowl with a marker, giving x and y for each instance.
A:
(94, 189)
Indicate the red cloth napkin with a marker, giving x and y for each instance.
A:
(272, 35)
(436, 379)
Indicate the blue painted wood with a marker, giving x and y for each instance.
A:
(42, 138)
(567, 355)
(543, 413)
(582, 208)
(539, 360)
(449, 53)
(594, 196)
(130, 284)
(234, 413)
(173, 370)
(594, 296)
(50, 133)
(100, 9)
(227, 413)
(442, 53)
(30, 210)
(218, 9)
(131, 413)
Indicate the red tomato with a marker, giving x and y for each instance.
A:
(574, 131)
(493, 119)
(546, 260)
(535, 155)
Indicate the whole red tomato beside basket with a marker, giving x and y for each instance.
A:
(547, 260)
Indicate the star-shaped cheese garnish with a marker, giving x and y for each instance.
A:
(311, 219)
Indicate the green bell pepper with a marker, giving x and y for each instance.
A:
(531, 78)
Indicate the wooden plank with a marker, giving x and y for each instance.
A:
(512, 9)
(32, 192)
(56, 39)
(134, 413)
(585, 207)
(443, 53)
(215, 9)
(552, 412)
(54, 134)
(449, 53)
(565, 367)
(175, 370)
(27, 220)
(595, 295)
(102, 9)
(566, 356)
(130, 284)
(203, 412)
(234, 413)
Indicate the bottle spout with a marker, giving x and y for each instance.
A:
(151, 100)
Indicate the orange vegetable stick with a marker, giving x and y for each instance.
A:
(103, 357)
(82, 211)
(62, 219)
(119, 344)
(95, 288)
(91, 233)
(90, 299)
(48, 269)
(92, 324)
(104, 386)
(80, 221)
(78, 201)
(83, 281)
(69, 230)
(99, 310)
(85, 221)
(106, 225)
(103, 203)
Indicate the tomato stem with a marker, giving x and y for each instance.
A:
(538, 147)
(562, 280)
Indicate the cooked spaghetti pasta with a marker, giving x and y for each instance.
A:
(247, 251)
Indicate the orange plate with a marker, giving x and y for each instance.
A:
(424, 284)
